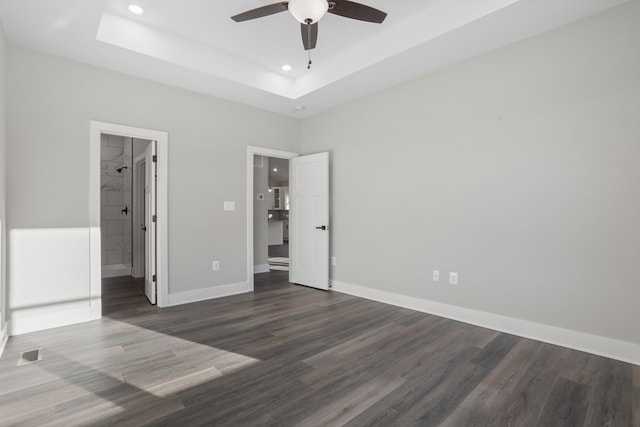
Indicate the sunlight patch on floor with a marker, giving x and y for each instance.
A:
(158, 363)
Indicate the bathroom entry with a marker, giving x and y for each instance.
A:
(126, 220)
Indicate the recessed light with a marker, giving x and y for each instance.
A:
(286, 67)
(275, 169)
(136, 9)
(299, 108)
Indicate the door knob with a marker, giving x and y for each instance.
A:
(322, 227)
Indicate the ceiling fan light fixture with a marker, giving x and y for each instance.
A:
(308, 11)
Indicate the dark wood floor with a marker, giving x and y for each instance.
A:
(288, 355)
(279, 250)
(122, 294)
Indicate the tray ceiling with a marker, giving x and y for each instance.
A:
(195, 45)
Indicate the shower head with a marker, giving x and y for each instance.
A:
(119, 170)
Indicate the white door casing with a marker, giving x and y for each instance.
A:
(309, 220)
(162, 242)
(150, 223)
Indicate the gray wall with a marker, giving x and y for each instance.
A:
(139, 145)
(260, 211)
(3, 228)
(518, 169)
(50, 103)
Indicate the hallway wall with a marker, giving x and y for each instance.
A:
(260, 213)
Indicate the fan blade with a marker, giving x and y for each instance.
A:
(259, 12)
(353, 10)
(309, 35)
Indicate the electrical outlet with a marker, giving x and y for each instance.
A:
(216, 265)
(453, 278)
(436, 275)
(333, 260)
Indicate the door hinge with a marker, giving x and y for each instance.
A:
(153, 278)
(154, 158)
(153, 218)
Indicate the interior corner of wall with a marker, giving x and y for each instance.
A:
(4, 334)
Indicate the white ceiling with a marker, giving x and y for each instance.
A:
(195, 45)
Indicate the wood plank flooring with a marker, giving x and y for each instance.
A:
(279, 250)
(121, 294)
(287, 355)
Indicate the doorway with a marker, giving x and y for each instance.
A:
(125, 261)
(271, 214)
(259, 202)
(309, 217)
(124, 255)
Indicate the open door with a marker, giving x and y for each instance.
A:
(309, 220)
(150, 222)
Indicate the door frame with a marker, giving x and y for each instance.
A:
(267, 152)
(98, 128)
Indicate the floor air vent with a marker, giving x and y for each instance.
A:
(30, 357)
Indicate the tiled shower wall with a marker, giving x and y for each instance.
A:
(115, 196)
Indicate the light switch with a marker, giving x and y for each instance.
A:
(453, 278)
(229, 206)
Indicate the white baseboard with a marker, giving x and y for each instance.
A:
(262, 268)
(595, 344)
(207, 293)
(4, 337)
(115, 270)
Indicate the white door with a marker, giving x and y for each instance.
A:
(150, 222)
(139, 217)
(309, 220)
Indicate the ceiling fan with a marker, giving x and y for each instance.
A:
(309, 12)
